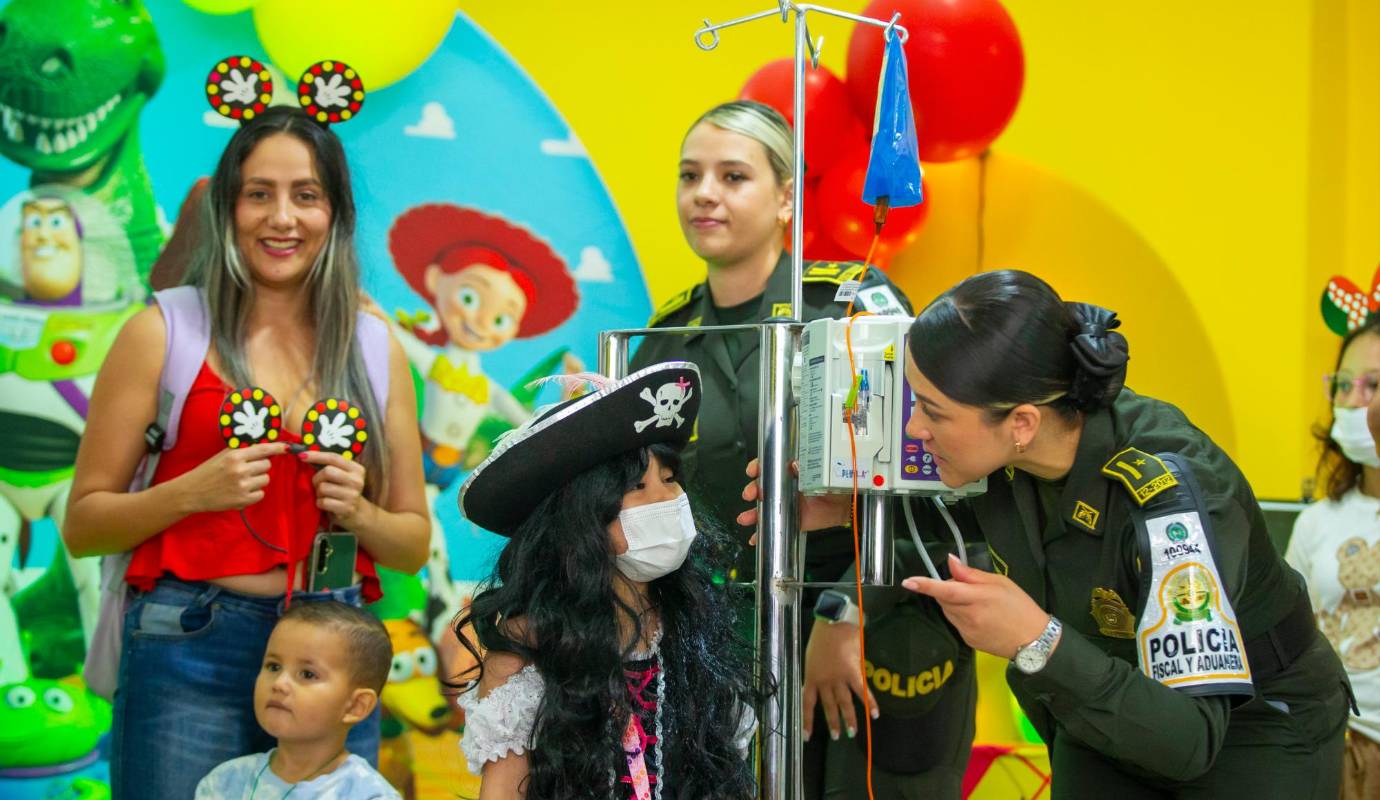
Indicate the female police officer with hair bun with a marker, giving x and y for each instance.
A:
(1158, 642)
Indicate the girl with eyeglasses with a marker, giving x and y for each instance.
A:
(1336, 546)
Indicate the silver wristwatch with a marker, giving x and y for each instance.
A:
(1031, 658)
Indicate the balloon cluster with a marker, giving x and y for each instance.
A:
(966, 69)
(385, 41)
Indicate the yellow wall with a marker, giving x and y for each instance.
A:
(1200, 167)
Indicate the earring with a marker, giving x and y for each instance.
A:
(1020, 447)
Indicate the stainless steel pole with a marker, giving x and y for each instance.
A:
(613, 353)
(780, 563)
(877, 567)
(802, 40)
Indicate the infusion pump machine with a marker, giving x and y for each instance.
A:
(888, 462)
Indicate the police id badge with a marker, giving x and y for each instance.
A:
(1188, 637)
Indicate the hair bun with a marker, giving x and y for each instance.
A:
(1101, 355)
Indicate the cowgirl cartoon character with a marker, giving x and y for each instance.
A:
(489, 282)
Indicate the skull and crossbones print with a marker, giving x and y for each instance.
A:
(666, 405)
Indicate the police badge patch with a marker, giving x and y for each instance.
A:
(1113, 618)
(1188, 636)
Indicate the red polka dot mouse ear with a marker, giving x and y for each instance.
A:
(239, 87)
(335, 426)
(330, 91)
(249, 416)
(1346, 307)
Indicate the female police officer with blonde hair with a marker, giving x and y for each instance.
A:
(733, 198)
(1158, 642)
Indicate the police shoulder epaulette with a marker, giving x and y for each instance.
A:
(1144, 475)
(835, 272)
(672, 306)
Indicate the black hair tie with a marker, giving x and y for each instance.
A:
(1101, 354)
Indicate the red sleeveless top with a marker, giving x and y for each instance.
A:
(218, 544)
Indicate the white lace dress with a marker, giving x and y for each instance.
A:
(501, 722)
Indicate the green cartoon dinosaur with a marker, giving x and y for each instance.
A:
(74, 75)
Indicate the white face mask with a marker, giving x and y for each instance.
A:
(1352, 434)
(659, 537)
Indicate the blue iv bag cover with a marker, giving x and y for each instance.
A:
(893, 168)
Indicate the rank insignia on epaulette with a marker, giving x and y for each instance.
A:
(671, 306)
(832, 272)
(1085, 515)
(1143, 474)
(1112, 616)
(825, 270)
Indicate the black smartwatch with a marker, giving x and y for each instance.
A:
(834, 607)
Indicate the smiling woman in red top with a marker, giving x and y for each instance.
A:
(220, 535)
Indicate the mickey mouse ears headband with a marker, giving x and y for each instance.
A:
(1346, 306)
(241, 87)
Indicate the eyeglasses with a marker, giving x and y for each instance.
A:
(1342, 386)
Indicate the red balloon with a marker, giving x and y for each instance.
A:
(830, 124)
(846, 219)
(966, 71)
(818, 244)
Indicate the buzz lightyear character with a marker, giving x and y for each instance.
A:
(50, 252)
(70, 283)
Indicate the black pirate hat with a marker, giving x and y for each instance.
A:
(656, 405)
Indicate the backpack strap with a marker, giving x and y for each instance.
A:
(372, 335)
(187, 342)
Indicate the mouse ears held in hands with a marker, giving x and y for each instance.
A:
(241, 87)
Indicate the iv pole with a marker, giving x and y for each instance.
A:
(780, 546)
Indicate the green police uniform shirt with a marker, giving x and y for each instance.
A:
(1072, 546)
(725, 438)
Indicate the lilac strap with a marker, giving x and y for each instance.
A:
(188, 341)
(372, 335)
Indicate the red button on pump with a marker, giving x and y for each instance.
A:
(878, 480)
(63, 352)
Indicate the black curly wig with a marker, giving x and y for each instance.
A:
(557, 575)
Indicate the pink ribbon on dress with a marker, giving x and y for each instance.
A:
(635, 738)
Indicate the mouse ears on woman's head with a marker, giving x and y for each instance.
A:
(241, 88)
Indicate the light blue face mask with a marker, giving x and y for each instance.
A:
(1351, 432)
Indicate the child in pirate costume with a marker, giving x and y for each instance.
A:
(611, 667)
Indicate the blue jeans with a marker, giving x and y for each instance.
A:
(185, 699)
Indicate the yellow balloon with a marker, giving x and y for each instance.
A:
(385, 42)
(220, 6)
